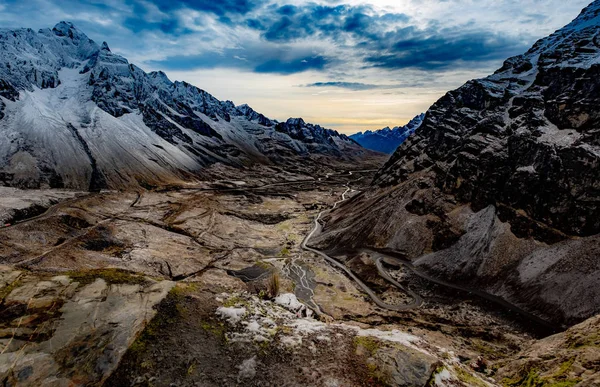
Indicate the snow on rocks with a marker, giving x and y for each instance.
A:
(291, 303)
(247, 369)
(395, 336)
(63, 94)
(256, 320)
(253, 320)
(233, 315)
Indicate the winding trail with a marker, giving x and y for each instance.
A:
(384, 273)
(417, 300)
(379, 257)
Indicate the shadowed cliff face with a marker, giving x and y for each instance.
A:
(526, 137)
(499, 187)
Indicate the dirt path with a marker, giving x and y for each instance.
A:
(417, 300)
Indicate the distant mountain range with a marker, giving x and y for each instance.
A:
(387, 140)
(75, 115)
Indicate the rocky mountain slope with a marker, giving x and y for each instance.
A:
(499, 188)
(75, 115)
(386, 140)
(570, 358)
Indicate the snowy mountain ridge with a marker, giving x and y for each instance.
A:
(75, 115)
(386, 140)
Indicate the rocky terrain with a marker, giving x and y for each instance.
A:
(174, 285)
(75, 115)
(498, 188)
(179, 240)
(387, 140)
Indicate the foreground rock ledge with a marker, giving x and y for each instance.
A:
(58, 331)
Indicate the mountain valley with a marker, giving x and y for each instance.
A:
(152, 235)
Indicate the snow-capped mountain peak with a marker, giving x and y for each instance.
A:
(74, 114)
(386, 140)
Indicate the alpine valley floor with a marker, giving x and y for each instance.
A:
(173, 287)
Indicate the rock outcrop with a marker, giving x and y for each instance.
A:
(60, 330)
(526, 137)
(571, 358)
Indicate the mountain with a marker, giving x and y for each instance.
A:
(75, 115)
(499, 187)
(386, 140)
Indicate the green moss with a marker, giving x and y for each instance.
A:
(234, 301)
(264, 265)
(146, 365)
(111, 276)
(368, 343)
(468, 378)
(439, 369)
(458, 182)
(564, 368)
(284, 226)
(579, 341)
(191, 369)
(565, 383)
(532, 378)
(284, 252)
(184, 288)
(372, 369)
(527, 378)
(488, 350)
(217, 329)
(5, 291)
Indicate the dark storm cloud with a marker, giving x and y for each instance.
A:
(289, 23)
(218, 7)
(278, 34)
(291, 67)
(388, 40)
(276, 61)
(440, 50)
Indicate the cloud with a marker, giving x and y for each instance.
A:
(288, 39)
(356, 86)
(275, 36)
(429, 46)
(217, 7)
(292, 67)
(429, 50)
(341, 22)
(388, 40)
(256, 59)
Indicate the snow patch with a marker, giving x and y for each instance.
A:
(253, 327)
(394, 336)
(247, 369)
(233, 315)
(289, 301)
(442, 378)
(528, 169)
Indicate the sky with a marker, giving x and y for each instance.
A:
(350, 65)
